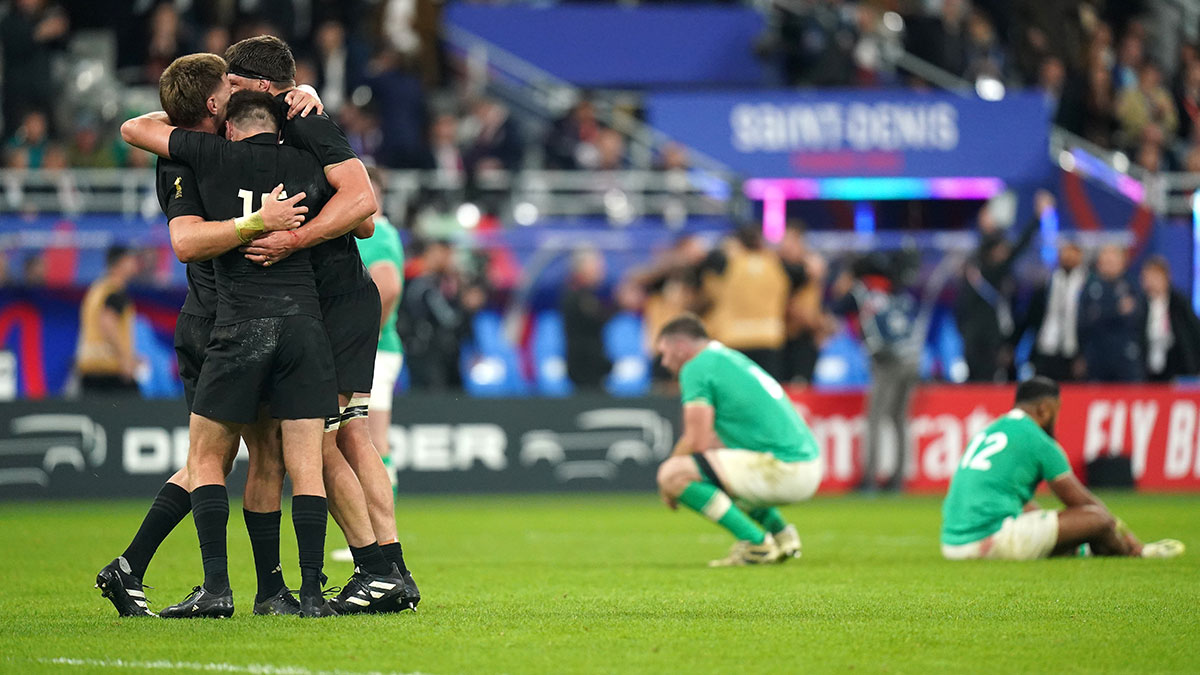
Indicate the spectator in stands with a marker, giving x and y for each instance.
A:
(807, 322)
(1130, 59)
(216, 40)
(1052, 315)
(169, 39)
(886, 314)
(105, 359)
(33, 271)
(361, 125)
(584, 317)
(941, 39)
(1170, 329)
(89, 148)
(445, 157)
(29, 34)
(571, 142)
(1146, 104)
(746, 289)
(340, 64)
(5, 280)
(494, 142)
(31, 139)
(436, 309)
(1098, 119)
(984, 304)
(397, 89)
(1187, 101)
(610, 150)
(671, 286)
(1110, 333)
(984, 55)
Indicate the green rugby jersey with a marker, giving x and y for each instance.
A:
(997, 476)
(751, 409)
(384, 246)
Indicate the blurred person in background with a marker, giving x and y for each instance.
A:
(494, 139)
(886, 314)
(396, 88)
(984, 305)
(437, 319)
(1110, 333)
(169, 39)
(807, 323)
(584, 317)
(671, 287)
(33, 271)
(1187, 101)
(1148, 103)
(31, 139)
(445, 157)
(571, 141)
(1171, 331)
(610, 151)
(341, 63)
(29, 34)
(383, 256)
(361, 125)
(747, 292)
(105, 359)
(1052, 315)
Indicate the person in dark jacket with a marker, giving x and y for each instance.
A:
(1052, 314)
(1109, 330)
(983, 309)
(1170, 331)
(584, 316)
(435, 313)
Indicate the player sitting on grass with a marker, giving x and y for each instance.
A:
(990, 513)
(729, 402)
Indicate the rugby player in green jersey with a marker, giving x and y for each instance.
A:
(744, 448)
(989, 511)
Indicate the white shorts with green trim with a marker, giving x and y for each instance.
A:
(387, 371)
(761, 479)
(1029, 536)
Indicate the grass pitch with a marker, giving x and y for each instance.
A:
(608, 583)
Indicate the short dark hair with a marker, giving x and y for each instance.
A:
(186, 85)
(687, 325)
(1159, 263)
(114, 254)
(253, 108)
(263, 57)
(1035, 389)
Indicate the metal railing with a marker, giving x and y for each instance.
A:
(525, 196)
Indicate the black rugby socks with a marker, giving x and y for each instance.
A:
(210, 510)
(370, 559)
(263, 529)
(309, 517)
(394, 554)
(168, 509)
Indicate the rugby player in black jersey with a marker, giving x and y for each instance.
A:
(194, 90)
(349, 299)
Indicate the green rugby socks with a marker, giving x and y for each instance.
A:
(770, 518)
(709, 501)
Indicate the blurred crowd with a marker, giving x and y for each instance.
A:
(378, 65)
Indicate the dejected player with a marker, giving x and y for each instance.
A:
(350, 302)
(744, 448)
(989, 511)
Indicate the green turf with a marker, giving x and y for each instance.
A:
(618, 584)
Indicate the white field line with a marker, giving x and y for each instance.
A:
(252, 669)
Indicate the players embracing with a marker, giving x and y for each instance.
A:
(294, 328)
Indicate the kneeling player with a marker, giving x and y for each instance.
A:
(990, 513)
(730, 402)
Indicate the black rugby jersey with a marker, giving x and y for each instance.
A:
(336, 262)
(234, 178)
(179, 195)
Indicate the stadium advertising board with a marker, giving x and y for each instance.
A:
(822, 134)
(126, 448)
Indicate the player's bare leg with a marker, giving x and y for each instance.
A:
(680, 481)
(1106, 535)
(354, 441)
(213, 445)
(347, 504)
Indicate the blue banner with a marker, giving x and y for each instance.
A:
(611, 46)
(861, 133)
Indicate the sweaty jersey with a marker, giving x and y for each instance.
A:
(751, 409)
(234, 178)
(336, 262)
(997, 476)
(384, 247)
(179, 195)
